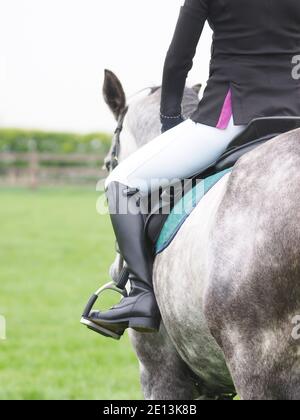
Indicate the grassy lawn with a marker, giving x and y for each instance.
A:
(55, 250)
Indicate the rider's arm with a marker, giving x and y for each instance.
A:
(179, 58)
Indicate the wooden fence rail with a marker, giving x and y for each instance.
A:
(34, 169)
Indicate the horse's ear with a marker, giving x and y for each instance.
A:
(197, 88)
(113, 93)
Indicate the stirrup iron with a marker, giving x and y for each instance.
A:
(119, 288)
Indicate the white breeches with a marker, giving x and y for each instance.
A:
(178, 153)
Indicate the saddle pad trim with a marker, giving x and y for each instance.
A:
(184, 208)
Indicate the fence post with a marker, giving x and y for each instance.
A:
(33, 170)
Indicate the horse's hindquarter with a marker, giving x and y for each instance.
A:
(254, 288)
(180, 277)
(233, 271)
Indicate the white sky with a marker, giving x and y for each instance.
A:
(53, 54)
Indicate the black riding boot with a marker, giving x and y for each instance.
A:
(139, 309)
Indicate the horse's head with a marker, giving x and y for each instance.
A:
(138, 122)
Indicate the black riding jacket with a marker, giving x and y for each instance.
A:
(255, 52)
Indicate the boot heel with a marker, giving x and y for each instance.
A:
(145, 325)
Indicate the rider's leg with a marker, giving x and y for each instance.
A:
(176, 154)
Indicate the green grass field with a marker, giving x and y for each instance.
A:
(55, 250)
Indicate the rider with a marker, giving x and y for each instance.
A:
(254, 43)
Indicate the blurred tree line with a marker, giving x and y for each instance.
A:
(18, 140)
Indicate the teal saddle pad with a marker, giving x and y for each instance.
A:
(184, 208)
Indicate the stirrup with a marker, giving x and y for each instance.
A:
(119, 288)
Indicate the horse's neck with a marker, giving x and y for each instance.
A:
(131, 144)
(128, 145)
(142, 123)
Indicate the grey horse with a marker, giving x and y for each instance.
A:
(228, 286)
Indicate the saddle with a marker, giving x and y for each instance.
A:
(258, 132)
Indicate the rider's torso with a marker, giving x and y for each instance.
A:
(254, 51)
